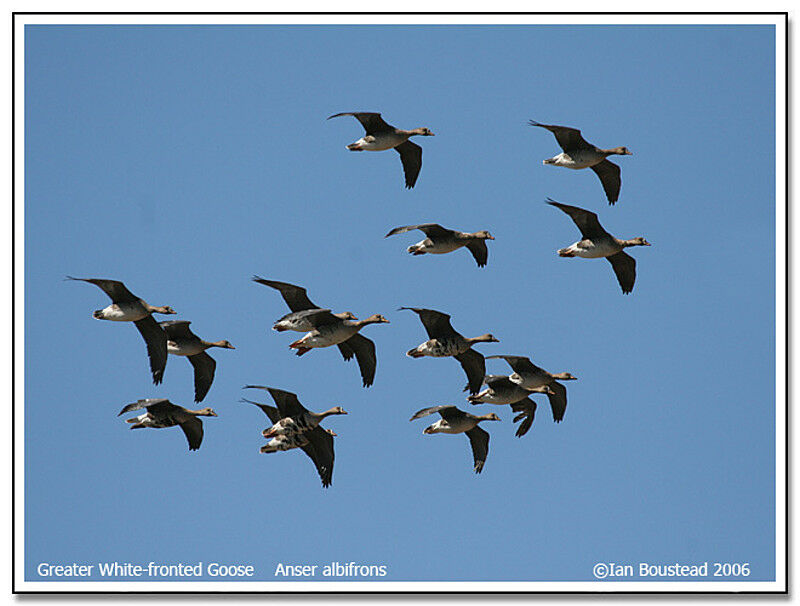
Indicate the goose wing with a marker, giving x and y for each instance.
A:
(371, 121)
(479, 251)
(193, 430)
(411, 157)
(447, 411)
(115, 289)
(432, 230)
(519, 364)
(527, 410)
(364, 350)
(625, 267)
(177, 329)
(479, 440)
(318, 317)
(320, 450)
(558, 400)
(474, 365)
(568, 138)
(436, 323)
(586, 221)
(271, 412)
(288, 404)
(156, 340)
(204, 367)
(609, 177)
(156, 405)
(295, 296)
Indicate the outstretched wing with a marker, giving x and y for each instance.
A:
(295, 296)
(527, 410)
(568, 138)
(271, 412)
(204, 367)
(436, 323)
(364, 350)
(177, 329)
(156, 404)
(625, 267)
(519, 364)
(609, 177)
(113, 288)
(432, 230)
(480, 251)
(320, 450)
(411, 157)
(446, 410)
(371, 121)
(318, 317)
(193, 430)
(558, 400)
(586, 221)
(474, 365)
(479, 440)
(156, 340)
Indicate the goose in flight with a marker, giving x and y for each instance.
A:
(529, 376)
(298, 301)
(162, 413)
(457, 421)
(127, 307)
(381, 136)
(300, 420)
(181, 341)
(579, 153)
(330, 330)
(443, 341)
(441, 240)
(317, 443)
(597, 243)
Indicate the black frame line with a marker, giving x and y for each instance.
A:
(16, 591)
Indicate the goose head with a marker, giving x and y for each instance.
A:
(487, 338)
(375, 319)
(490, 417)
(206, 412)
(166, 309)
(484, 235)
(565, 376)
(621, 151)
(424, 132)
(224, 344)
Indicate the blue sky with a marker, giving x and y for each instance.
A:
(183, 160)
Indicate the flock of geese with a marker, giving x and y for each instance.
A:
(295, 427)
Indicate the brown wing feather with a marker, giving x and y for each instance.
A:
(610, 178)
(156, 340)
(568, 138)
(204, 368)
(479, 251)
(411, 157)
(625, 267)
(364, 350)
(479, 440)
(474, 365)
(587, 221)
(371, 121)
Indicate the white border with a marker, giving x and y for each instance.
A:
(21, 585)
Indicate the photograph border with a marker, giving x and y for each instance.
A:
(21, 586)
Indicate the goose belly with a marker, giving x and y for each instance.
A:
(590, 249)
(503, 397)
(184, 349)
(440, 248)
(437, 348)
(443, 426)
(577, 159)
(380, 143)
(122, 312)
(326, 338)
